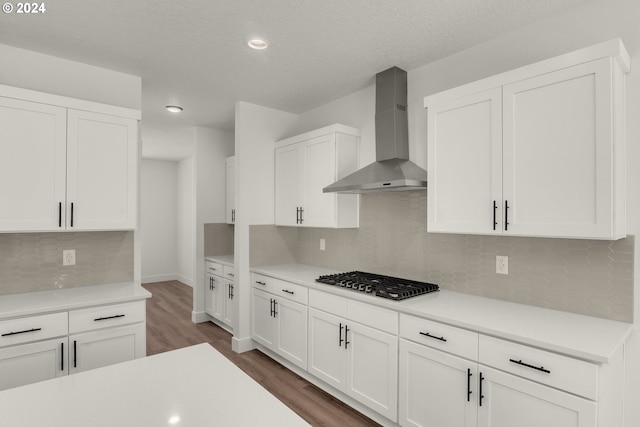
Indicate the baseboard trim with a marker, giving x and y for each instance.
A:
(184, 280)
(160, 278)
(199, 317)
(240, 345)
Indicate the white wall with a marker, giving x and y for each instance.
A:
(45, 73)
(167, 140)
(159, 220)
(256, 130)
(186, 221)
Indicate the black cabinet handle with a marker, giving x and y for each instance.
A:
(21, 332)
(261, 283)
(537, 368)
(340, 340)
(480, 390)
(346, 336)
(297, 215)
(62, 356)
(108, 317)
(469, 385)
(233, 215)
(75, 365)
(72, 214)
(60, 214)
(270, 307)
(506, 215)
(427, 334)
(275, 306)
(495, 208)
(287, 291)
(301, 217)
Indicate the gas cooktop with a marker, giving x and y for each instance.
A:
(382, 286)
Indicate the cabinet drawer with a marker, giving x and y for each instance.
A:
(106, 316)
(229, 272)
(328, 302)
(213, 268)
(563, 372)
(375, 317)
(443, 337)
(280, 288)
(33, 328)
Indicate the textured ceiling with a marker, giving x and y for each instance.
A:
(194, 52)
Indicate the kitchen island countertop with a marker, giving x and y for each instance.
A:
(585, 337)
(192, 386)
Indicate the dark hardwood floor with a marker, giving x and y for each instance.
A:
(169, 327)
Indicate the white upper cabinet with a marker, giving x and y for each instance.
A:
(307, 163)
(33, 139)
(66, 169)
(538, 151)
(102, 166)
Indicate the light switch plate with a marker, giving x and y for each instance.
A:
(69, 257)
(502, 264)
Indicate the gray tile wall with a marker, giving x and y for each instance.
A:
(590, 277)
(218, 239)
(33, 261)
(271, 245)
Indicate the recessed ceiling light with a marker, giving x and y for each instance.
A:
(174, 108)
(258, 44)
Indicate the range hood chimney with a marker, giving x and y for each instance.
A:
(392, 170)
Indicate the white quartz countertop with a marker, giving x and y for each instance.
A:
(30, 303)
(589, 338)
(193, 386)
(221, 259)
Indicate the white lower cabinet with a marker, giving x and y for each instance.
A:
(357, 360)
(41, 347)
(219, 292)
(445, 381)
(280, 324)
(436, 388)
(512, 401)
(105, 347)
(30, 363)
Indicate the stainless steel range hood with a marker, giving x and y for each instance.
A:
(392, 170)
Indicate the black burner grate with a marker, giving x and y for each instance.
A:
(383, 286)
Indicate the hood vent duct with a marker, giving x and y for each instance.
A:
(392, 170)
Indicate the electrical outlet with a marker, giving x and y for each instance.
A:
(322, 244)
(502, 264)
(69, 257)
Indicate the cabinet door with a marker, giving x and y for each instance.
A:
(436, 388)
(319, 209)
(228, 302)
(373, 369)
(30, 363)
(33, 139)
(558, 153)
(102, 168)
(288, 185)
(292, 331)
(327, 354)
(106, 347)
(512, 401)
(263, 324)
(231, 190)
(210, 294)
(465, 164)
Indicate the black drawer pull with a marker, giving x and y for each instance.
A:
(261, 283)
(427, 334)
(287, 291)
(21, 332)
(109, 317)
(537, 368)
